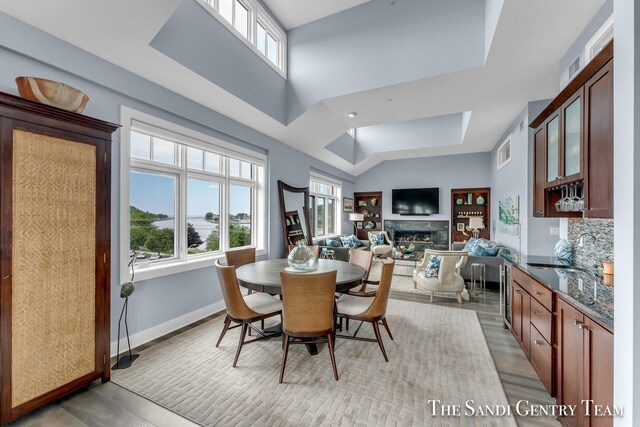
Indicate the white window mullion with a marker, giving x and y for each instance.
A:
(181, 228)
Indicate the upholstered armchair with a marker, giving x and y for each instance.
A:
(380, 249)
(448, 278)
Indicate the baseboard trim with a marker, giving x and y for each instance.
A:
(167, 327)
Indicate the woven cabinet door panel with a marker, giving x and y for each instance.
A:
(53, 263)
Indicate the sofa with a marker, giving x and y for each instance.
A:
(341, 253)
(492, 263)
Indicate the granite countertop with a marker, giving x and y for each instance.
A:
(584, 289)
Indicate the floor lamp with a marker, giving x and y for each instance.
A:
(354, 218)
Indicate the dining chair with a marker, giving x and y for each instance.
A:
(363, 259)
(314, 248)
(244, 309)
(367, 309)
(308, 311)
(238, 258)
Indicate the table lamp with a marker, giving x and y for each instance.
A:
(476, 224)
(355, 217)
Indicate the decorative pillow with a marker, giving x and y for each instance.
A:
(333, 243)
(377, 239)
(433, 266)
(480, 247)
(350, 241)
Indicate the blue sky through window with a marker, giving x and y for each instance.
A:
(152, 192)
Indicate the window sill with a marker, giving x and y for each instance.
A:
(153, 271)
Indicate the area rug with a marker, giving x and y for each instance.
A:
(438, 353)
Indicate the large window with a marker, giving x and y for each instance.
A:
(324, 195)
(190, 200)
(248, 20)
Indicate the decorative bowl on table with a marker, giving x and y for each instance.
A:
(301, 258)
(52, 93)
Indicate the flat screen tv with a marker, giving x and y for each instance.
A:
(415, 201)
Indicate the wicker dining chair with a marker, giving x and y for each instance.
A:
(315, 249)
(244, 309)
(367, 309)
(308, 311)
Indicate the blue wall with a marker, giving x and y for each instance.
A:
(516, 179)
(25, 50)
(444, 172)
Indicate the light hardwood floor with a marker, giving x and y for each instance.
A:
(109, 405)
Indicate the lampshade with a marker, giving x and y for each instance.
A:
(356, 217)
(476, 223)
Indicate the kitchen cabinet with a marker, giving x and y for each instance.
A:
(598, 156)
(552, 134)
(584, 365)
(563, 142)
(571, 353)
(569, 380)
(520, 316)
(532, 324)
(571, 137)
(573, 143)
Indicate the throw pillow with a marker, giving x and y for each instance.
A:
(480, 247)
(433, 266)
(333, 243)
(350, 241)
(377, 239)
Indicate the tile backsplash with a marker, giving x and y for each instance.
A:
(600, 228)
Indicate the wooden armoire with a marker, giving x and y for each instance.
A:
(55, 186)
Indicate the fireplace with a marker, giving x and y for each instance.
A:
(422, 234)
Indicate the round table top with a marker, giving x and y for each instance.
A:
(264, 275)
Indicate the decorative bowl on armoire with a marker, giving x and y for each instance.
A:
(52, 93)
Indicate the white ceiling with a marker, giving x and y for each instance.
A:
(521, 66)
(293, 13)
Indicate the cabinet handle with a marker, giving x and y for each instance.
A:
(538, 342)
(539, 293)
(579, 324)
(517, 291)
(536, 312)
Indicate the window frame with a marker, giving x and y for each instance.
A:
(313, 202)
(604, 28)
(257, 14)
(502, 162)
(185, 137)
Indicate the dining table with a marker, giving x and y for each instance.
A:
(264, 276)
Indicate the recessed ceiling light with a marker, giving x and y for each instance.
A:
(352, 114)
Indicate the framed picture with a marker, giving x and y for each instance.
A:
(359, 224)
(460, 226)
(347, 204)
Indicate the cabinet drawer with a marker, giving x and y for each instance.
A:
(542, 319)
(541, 356)
(542, 294)
(521, 278)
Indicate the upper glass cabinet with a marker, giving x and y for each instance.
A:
(553, 135)
(572, 137)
